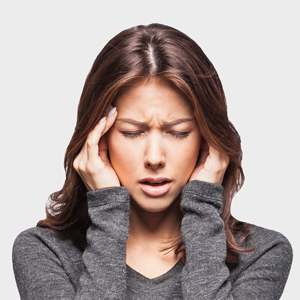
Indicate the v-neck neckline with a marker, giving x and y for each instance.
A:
(143, 279)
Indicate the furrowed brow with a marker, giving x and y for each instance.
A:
(175, 122)
(145, 124)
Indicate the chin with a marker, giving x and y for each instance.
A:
(154, 208)
(153, 204)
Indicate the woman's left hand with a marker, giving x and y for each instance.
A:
(211, 166)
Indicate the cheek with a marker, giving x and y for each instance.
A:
(123, 156)
(184, 156)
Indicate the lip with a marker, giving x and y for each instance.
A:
(152, 179)
(155, 191)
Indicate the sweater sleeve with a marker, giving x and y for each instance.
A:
(40, 274)
(205, 274)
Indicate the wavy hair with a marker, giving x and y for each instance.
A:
(164, 53)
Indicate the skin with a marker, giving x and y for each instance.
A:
(154, 152)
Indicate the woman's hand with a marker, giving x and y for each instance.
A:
(92, 163)
(211, 166)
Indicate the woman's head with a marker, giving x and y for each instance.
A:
(153, 74)
(166, 56)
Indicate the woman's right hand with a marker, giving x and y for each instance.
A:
(92, 163)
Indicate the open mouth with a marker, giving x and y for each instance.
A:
(155, 183)
(155, 188)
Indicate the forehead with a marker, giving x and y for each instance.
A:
(153, 98)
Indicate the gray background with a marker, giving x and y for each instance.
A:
(47, 50)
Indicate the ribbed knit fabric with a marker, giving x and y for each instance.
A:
(49, 266)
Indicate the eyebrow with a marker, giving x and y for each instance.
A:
(145, 124)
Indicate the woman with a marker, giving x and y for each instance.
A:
(151, 171)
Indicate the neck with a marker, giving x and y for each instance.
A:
(149, 229)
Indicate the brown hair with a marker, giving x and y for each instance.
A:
(164, 53)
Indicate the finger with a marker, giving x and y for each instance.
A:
(216, 155)
(78, 160)
(93, 141)
(110, 114)
(107, 110)
(90, 150)
(110, 119)
(83, 158)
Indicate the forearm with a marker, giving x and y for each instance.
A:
(205, 273)
(105, 256)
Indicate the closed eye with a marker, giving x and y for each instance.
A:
(136, 134)
(131, 134)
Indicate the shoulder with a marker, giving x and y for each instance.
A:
(37, 236)
(32, 234)
(37, 241)
(272, 248)
(267, 238)
(41, 260)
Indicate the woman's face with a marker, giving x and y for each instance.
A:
(155, 148)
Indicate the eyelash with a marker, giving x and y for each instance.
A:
(136, 134)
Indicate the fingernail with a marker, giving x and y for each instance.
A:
(112, 111)
(102, 120)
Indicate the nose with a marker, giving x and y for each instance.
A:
(154, 152)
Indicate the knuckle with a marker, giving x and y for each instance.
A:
(75, 164)
(219, 167)
(89, 144)
(75, 167)
(224, 165)
(90, 170)
(81, 167)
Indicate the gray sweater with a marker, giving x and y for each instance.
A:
(49, 266)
